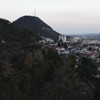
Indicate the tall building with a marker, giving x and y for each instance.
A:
(63, 38)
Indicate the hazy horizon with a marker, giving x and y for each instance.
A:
(64, 16)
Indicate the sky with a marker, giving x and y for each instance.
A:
(64, 16)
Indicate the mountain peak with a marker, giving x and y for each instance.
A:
(32, 22)
(35, 24)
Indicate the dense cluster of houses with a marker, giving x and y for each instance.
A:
(79, 46)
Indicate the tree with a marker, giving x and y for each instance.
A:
(86, 68)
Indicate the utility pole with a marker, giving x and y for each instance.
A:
(35, 12)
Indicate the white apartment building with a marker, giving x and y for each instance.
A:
(64, 38)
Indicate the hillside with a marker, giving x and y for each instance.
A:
(35, 24)
(11, 33)
(12, 39)
(29, 71)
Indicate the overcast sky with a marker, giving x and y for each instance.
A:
(64, 16)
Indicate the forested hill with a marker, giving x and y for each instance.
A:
(35, 24)
(32, 71)
(9, 32)
(3, 23)
(13, 38)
